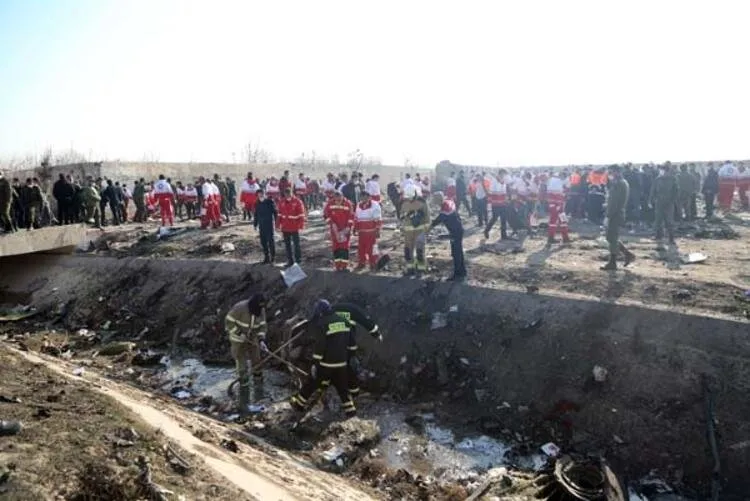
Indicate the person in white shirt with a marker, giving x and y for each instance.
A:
(372, 187)
(164, 196)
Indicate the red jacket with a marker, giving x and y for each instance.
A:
(291, 215)
(339, 213)
(283, 185)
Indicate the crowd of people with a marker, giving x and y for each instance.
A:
(351, 204)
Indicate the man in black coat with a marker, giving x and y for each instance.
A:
(265, 221)
(63, 192)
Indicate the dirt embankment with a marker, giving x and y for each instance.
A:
(532, 351)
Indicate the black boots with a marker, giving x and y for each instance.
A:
(611, 265)
(629, 256)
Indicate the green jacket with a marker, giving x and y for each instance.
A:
(139, 192)
(664, 191)
(90, 195)
(619, 191)
(685, 184)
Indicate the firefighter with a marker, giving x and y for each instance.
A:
(333, 342)
(245, 324)
(416, 217)
(367, 222)
(339, 215)
(356, 316)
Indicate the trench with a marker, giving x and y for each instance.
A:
(467, 378)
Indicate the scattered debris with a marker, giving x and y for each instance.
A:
(439, 321)
(682, 294)
(227, 247)
(293, 274)
(550, 449)
(9, 400)
(148, 487)
(600, 374)
(8, 428)
(79, 371)
(693, 258)
(230, 445)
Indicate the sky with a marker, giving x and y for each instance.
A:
(474, 82)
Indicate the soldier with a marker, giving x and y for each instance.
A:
(16, 206)
(6, 201)
(63, 193)
(685, 184)
(710, 190)
(245, 324)
(139, 198)
(618, 201)
(91, 199)
(33, 204)
(224, 193)
(664, 193)
(696, 190)
(232, 194)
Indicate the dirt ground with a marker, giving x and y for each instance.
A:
(77, 444)
(185, 312)
(658, 277)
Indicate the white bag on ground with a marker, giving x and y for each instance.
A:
(292, 275)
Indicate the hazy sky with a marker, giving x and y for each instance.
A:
(479, 82)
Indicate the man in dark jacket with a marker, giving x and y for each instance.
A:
(113, 197)
(710, 189)
(395, 198)
(452, 221)
(265, 220)
(616, 206)
(349, 190)
(6, 202)
(63, 192)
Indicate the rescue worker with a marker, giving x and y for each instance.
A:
(372, 187)
(6, 202)
(452, 221)
(333, 342)
(685, 184)
(556, 206)
(727, 184)
(498, 194)
(190, 199)
(479, 188)
(291, 220)
(710, 190)
(266, 218)
(339, 216)
(616, 207)
(245, 324)
(664, 196)
(356, 316)
(300, 190)
(415, 215)
(368, 219)
(248, 196)
(164, 196)
(91, 199)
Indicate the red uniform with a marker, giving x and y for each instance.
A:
(367, 222)
(339, 214)
(291, 215)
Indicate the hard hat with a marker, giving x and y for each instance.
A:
(256, 303)
(321, 307)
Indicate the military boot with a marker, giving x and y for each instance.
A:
(611, 265)
(243, 398)
(629, 256)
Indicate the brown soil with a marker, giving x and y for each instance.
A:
(77, 444)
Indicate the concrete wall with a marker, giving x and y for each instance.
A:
(55, 239)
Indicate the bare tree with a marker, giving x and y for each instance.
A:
(255, 154)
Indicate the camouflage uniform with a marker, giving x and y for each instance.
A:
(664, 196)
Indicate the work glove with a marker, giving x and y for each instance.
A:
(263, 347)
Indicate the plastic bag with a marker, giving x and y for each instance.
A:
(375, 250)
